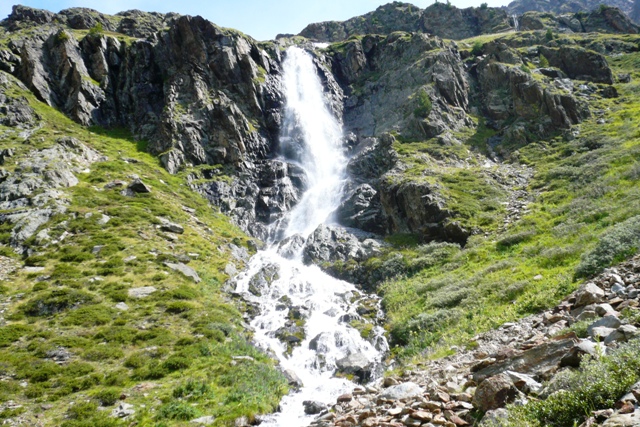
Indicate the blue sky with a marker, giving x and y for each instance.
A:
(261, 19)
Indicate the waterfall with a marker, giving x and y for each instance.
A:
(296, 303)
(516, 24)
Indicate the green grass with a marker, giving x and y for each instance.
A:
(183, 332)
(582, 219)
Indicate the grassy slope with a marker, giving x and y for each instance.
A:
(581, 188)
(171, 352)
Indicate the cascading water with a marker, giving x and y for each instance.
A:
(302, 312)
(516, 24)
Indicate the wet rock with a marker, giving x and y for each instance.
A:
(402, 391)
(292, 378)
(356, 364)
(312, 407)
(334, 243)
(184, 270)
(494, 392)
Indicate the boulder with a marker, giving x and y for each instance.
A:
(587, 294)
(541, 360)
(494, 392)
(138, 186)
(312, 407)
(356, 364)
(141, 292)
(185, 270)
(579, 63)
(609, 321)
(330, 243)
(400, 391)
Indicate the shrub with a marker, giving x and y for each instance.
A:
(62, 37)
(176, 363)
(476, 49)
(615, 244)
(97, 29)
(544, 62)
(12, 333)
(548, 35)
(514, 239)
(424, 105)
(107, 396)
(526, 69)
(56, 301)
(177, 307)
(192, 389)
(177, 411)
(102, 352)
(92, 315)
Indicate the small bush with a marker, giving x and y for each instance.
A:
(616, 244)
(97, 29)
(107, 396)
(191, 390)
(136, 360)
(476, 49)
(424, 105)
(548, 35)
(102, 352)
(93, 315)
(56, 301)
(12, 333)
(184, 292)
(178, 307)
(177, 411)
(544, 62)
(62, 37)
(514, 239)
(526, 69)
(176, 363)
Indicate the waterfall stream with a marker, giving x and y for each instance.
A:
(302, 313)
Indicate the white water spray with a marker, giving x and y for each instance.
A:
(288, 293)
(516, 24)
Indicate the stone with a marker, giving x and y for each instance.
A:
(122, 306)
(292, 378)
(494, 392)
(312, 407)
(601, 332)
(603, 309)
(623, 420)
(170, 227)
(587, 294)
(584, 347)
(541, 360)
(402, 391)
(525, 383)
(123, 410)
(203, 421)
(141, 292)
(609, 321)
(138, 186)
(184, 270)
(355, 364)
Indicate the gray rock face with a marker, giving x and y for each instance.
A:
(31, 194)
(579, 63)
(312, 407)
(141, 292)
(402, 391)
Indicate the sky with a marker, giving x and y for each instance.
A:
(261, 19)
